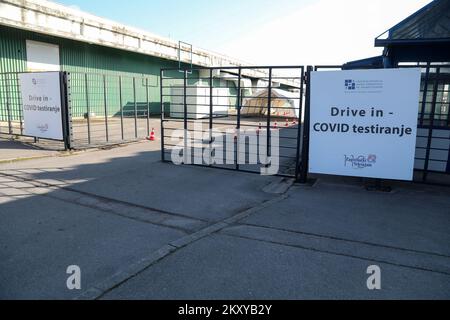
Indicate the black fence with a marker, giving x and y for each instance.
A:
(111, 109)
(180, 94)
(230, 118)
(433, 141)
(102, 109)
(11, 114)
(247, 103)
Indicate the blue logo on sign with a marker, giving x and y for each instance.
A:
(350, 85)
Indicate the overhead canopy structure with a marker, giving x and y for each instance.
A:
(430, 24)
(424, 36)
(369, 63)
(284, 104)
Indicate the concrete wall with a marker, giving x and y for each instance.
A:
(57, 20)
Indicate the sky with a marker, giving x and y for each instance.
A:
(265, 32)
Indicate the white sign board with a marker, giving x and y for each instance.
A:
(41, 103)
(364, 122)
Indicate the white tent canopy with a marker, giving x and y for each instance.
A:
(284, 103)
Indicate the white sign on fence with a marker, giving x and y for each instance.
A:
(41, 103)
(364, 122)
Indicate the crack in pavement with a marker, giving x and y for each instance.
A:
(132, 270)
(98, 291)
(117, 207)
(345, 239)
(335, 253)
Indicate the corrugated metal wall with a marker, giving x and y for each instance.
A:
(80, 58)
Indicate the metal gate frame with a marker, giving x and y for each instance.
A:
(302, 155)
(299, 174)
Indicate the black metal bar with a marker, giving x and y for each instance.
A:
(88, 108)
(106, 108)
(20, 109)
(135, 109)
(238, 124)
(121, 107)
(448, 112)
(430, 132)
(1, 101)
(66, 114)
(185, 117)
(211, 109)
(300, 125)
(148, 105)
(234, 68)
(269, 115)
(8, 107)
(305, 142)
(424, 97)
(316, 68)
(69, 109)
(161, 75)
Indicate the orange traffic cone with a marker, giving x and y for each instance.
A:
(152, 135)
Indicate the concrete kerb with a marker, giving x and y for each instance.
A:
(73, 152)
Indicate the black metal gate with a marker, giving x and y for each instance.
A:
(232, 117)
(190, 97)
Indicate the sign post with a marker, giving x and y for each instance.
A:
(363, 123)
(43, 105)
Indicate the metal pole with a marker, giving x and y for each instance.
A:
(448, 112)
(185, 116)
(305, 146)
(148, 105)
(211, 111)
(66, 113)
(121, 107)
(161, 74)
(20, 104)
(300, 124)
(269, 114)
(430, 129)
(106, 108)
(425, 89)
(88, 109)
(238, 125)
(8, 106)
(135, 109)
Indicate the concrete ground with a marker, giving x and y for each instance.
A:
(142, 229)
(20, 150)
